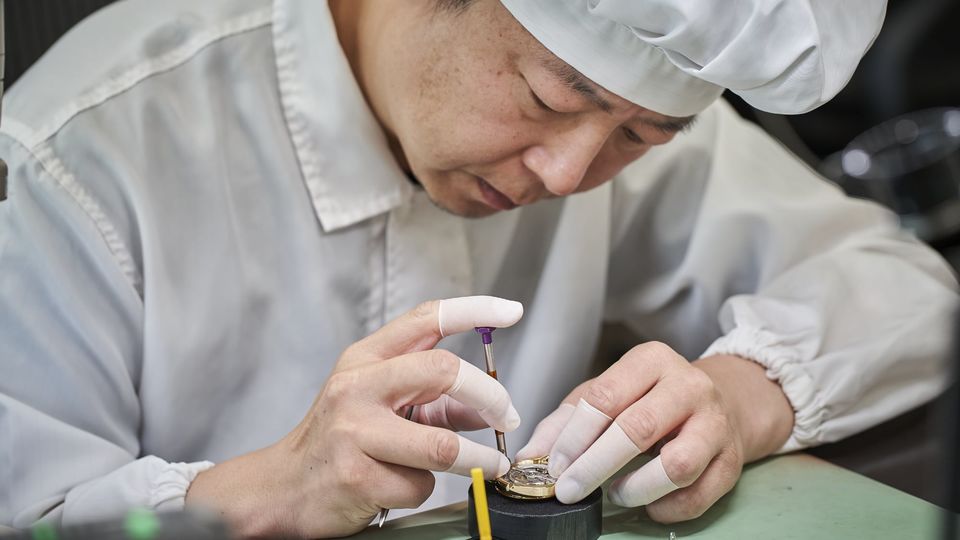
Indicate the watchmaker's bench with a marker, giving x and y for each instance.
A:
(796, 496)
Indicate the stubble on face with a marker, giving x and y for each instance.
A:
(451, 92)
(459, 119)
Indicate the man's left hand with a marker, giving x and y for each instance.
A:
(711, 416)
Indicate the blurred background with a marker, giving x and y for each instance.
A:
(874, 140)
(893, 135)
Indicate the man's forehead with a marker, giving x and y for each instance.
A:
(522, 44)
(574, 80)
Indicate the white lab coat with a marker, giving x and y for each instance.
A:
(203, 213)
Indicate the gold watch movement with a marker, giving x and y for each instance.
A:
(527, 479)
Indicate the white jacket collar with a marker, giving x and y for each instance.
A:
(347, 166)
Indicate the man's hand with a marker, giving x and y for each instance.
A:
(352, 454)
(711, 416)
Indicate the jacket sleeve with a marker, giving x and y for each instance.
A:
(70, 348)
(723, 242)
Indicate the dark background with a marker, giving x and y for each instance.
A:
(913, 65)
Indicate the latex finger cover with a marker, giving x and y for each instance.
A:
(449, 413)
(476, 389)
(584, 427)
(473, 454)
(465, 313)
(546, 433)
(642, 486)
(606, 456)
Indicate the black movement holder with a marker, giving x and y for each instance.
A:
(514, 519)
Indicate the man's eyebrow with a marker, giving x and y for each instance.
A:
(669, 125)
(574, 80)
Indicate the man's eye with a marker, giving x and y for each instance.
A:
(539, 102)
(632, 136)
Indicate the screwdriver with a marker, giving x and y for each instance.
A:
(486, 334)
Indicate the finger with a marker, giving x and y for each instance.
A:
(642, 486)
(701, 439)
(546, 433)
(394, 440)
(609, 395)
(586, 424)
(646, 421)
(607, 455)
(396, 486)
(450, 414)
(466, 313)
(629, 378)
(662, 410)
(424, 326)
(471, 455)
(691, 502)
(474, 388)
(421, 377)
(680, 464)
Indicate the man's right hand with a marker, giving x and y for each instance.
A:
(353, 454)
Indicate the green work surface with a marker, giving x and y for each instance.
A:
(795, 496)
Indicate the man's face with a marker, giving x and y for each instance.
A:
(487, 119)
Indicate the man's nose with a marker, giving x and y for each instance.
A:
(561, 161)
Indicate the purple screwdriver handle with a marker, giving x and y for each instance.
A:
(486, 334)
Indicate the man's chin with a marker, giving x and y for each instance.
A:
(464, 209)
(451, 193)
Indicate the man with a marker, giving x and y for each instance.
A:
(211, 205)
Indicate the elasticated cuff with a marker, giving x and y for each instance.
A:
(783, 364)
(169, 488)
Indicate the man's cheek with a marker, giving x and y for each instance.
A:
(459, 149)
(611, 161)
(600, 172)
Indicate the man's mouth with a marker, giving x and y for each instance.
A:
(494, 198)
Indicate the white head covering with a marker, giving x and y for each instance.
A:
(676, 56)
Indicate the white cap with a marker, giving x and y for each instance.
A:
(675, 57)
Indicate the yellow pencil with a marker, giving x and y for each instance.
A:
(480, 503)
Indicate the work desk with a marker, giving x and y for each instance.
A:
(789, 497)
(795, 496)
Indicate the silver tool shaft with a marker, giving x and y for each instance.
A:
(492, 371)
(382, 516)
